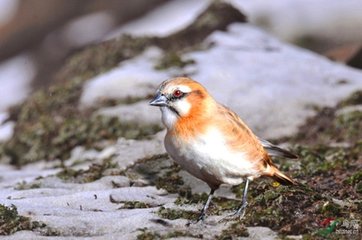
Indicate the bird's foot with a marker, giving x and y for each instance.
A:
(201, 218)
(237, 215)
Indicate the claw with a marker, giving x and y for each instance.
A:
(200, 218)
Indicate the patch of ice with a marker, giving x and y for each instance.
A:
(164, 20)
(293, 19)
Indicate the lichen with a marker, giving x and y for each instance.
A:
(93, 173)
(53, 137)
(173, 214)
(146, 234)
(170, 181)
(234, 231)
(25, 185)
(134, 204)
(11, 221)
(354, 99)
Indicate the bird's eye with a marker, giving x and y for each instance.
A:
(177, 93)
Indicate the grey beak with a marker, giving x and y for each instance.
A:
(159, 100)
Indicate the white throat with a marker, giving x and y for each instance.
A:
(169, 118)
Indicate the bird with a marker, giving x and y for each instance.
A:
(211, 142)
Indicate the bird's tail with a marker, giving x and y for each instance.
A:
(282, 178)
(272, 171)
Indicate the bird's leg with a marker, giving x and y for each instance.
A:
(205, 207)
(241, 210)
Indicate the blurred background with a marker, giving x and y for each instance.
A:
(37, 36)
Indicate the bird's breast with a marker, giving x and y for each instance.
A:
(208, 156)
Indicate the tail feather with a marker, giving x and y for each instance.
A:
(282, 178)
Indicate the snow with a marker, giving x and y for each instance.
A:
(6, 128)
(266, 81)
(292, 19)
(139, 112)
(262, 79)
(15, 78)
(132, 78)
(164, 20)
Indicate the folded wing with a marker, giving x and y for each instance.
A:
(274, 150)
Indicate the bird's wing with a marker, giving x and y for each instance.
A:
(239, 136)
(274, 150)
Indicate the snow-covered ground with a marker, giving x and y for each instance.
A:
(272, 85)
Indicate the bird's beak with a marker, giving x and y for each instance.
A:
(159, 100)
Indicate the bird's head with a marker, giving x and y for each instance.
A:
(180, 98)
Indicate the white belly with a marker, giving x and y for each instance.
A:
(209, 159)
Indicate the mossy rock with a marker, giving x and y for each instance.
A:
(11, 221)
(173, 214)
(49, 124)
(93, 173)
(234, 231)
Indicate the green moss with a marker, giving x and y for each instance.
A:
(173, 214)
(187, 197)
(171, 181)
(54, 137)
(218, 205)
(355, 178)
(321, 159)
(24, 185)
(330, 209)
(134, 204)
(93, 173)
(11, 221)
(147, 235)
(354, 99)
(234, 231)
(351, 124)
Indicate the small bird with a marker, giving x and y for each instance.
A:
(211, 142)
